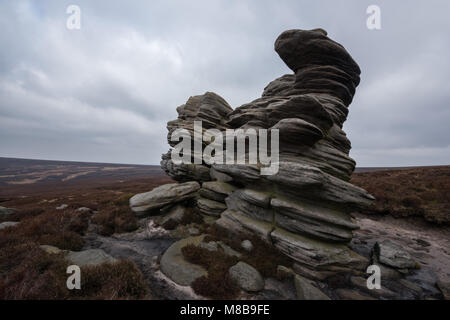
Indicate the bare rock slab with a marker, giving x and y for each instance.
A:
(307, 291)
(175, 267)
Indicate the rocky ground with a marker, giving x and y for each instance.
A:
(427, 243)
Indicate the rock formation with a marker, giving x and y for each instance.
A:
(303, 210)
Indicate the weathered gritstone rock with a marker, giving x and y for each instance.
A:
(392, 255)
(172, 193)
(247, 277)
(91, 257)
(212, 110)
(303, 209)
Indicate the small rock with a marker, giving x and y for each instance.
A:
(83, 209)
(247, 277)
(307, 291)
(247, 245)
(445, 289)
(215, 245)
(393, 255)
(51, 249)
(4, 212)
(7, 224)
(423, 243)
(91, 257)
(284, 272)
(229, 251)
(62, 207)
(193, 231)
(210, 246)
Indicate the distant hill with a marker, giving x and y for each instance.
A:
(30, 176)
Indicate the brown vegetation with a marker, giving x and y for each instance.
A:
(28, 272)
(423, 192)
(218, 283)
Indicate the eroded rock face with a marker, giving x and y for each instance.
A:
(303, 209)
(145, 203)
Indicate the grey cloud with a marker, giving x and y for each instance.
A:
(105, 92)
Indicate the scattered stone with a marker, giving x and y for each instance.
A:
(193, 231)
(393, 255)
(51, 249)
(445, 289)
(247, 245)
(284, 272)
(5, 212)
(145, 203)
(8, 224)
(210, 246)
(83, 209)
(91, 257)
(247, 277)
(216, 245)
(62, 207)
(176, 268)
(423, 243)
(307, 291)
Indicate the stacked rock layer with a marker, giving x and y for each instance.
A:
(303, 210)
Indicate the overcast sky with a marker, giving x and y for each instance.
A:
(105, 92)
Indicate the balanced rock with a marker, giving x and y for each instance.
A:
(145, 203)
(303, 209)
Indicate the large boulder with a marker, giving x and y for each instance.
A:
(145, 203)
(247, 277)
